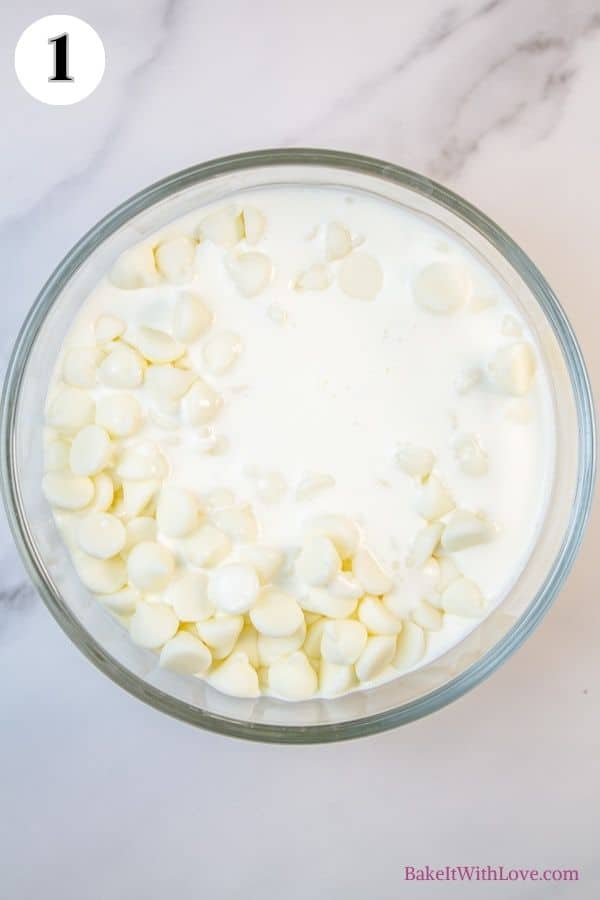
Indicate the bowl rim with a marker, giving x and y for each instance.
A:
(540, 289)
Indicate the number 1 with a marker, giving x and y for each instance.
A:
(61, 58)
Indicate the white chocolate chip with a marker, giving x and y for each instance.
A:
(91, 451)
(267, 561)
(221, 351)
(433, 499)
(119, 414)
(175, 259)
(79, 366)
(341, 530)
(157, 346)
(377, 618)
(315, 278)
(152, 624)
(141, 528)
(471, 457)
(465, 529)
(338, 242)
(177, 512)
(314, 636)
(335, 680)
(248, 643)
(188, 596)
(101, 576)
(206, 440)
(101, 535)
(201, 404)
(276, 614)
(410, 647)
(425, 544)
(325, 603)
(448, 572)
(136, 496)
(234, 588)
(185, 361)
(104, 493)
(318, 561)
(251, 272)
(430, 571)
(185, 654)
(237, 522)
(293, 677)
(271, 648)
(191, 317)
(207, 546)
(254, 224)
(108, 328)
(140, 462)
(407, 593)
(150, 566)
(135, 268)
(236, 677)
(220, 633)
(442, 287)
(67, 491)
(312, 483)
(343, 641)
(70, 409)
(378, 653)
(121, 603)
(415, 461)
(369, 573)
(168, 383)
(427, 616)
(223, 227)
(56, 456)
(360, 276)
(345, 586)
(122, 368)
(463, 598)
(513, 368)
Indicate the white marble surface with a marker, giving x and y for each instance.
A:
(104, 798)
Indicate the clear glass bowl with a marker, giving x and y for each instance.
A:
(105, 642)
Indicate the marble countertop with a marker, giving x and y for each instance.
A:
(105, 799)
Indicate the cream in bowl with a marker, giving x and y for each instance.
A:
(299, 442)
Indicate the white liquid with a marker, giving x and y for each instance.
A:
(337, 385)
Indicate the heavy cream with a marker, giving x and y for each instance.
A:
(299, 442)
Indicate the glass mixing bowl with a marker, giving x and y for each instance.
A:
(105, 642)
